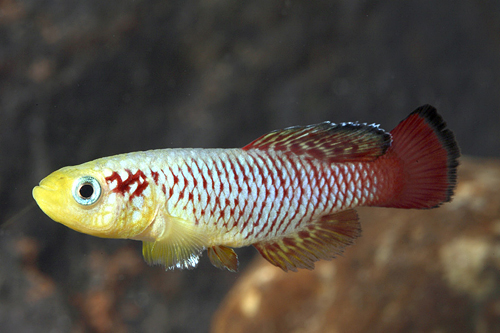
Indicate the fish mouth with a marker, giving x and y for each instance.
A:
(47, 184)
(50, 198)
(40, 189)
(44, 190)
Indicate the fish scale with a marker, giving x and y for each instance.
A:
(214, 172)
(289, 193)
(202, 185)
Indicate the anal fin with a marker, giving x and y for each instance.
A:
(322, 239)
(223, 257)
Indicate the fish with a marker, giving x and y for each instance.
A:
(290, 193)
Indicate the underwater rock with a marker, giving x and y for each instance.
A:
(412, 270)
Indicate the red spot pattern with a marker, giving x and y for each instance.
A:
(155, 176)
(297, 192)
(269, 182)
(316, 189)
(278, 167)
(246, 180)
(123, 186)
(182, 179)
(282, 190)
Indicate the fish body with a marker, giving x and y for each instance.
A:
(290, 193)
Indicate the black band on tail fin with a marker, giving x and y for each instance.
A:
(447, 139)
(429, 156)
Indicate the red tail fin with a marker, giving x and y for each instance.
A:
(429, 155)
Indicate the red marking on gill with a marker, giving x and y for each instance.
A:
(123, 186)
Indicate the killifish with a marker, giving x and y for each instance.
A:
(290, 193)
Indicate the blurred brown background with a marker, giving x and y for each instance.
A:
(82, 79)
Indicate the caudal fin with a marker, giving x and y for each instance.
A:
(429, 156)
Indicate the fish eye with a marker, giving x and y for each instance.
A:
(86, 190)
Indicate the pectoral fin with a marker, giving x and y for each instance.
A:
(322, 239)
(180, 246)
(223, 257)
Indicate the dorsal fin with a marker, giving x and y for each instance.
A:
(343, 142)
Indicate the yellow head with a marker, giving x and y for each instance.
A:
(80, 198)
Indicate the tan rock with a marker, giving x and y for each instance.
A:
(411, 271)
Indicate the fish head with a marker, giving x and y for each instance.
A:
(80, 197)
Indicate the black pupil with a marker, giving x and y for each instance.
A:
(86, 191)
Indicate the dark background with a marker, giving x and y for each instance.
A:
(82, 79)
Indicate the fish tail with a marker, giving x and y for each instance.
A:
(428, 155)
